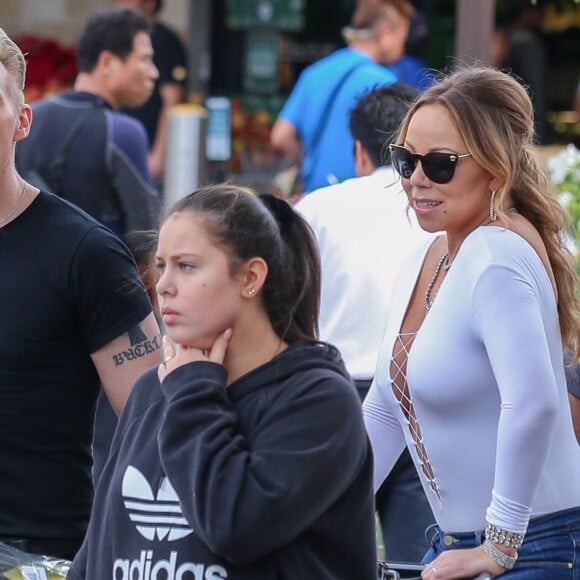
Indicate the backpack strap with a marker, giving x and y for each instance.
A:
(330, 102)
(328, 106)
(57, 166)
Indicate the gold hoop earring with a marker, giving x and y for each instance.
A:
(492, 214)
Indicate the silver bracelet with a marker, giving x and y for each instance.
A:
(504, 560)
(503, 537)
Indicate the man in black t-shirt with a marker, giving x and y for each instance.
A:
(73, 315)
(170, 59)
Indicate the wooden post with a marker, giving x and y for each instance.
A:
(199, 46)
(474, 30)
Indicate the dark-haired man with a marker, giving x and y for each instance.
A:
(171, 62)
(363, 234)
(105, 168)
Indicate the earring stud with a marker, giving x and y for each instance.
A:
(251, 291)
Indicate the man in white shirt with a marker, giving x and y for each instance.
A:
(364, 231)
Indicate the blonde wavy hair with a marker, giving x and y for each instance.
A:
(13, 60)
(493, 113)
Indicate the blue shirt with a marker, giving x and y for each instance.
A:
(331, 159)
(413, 72)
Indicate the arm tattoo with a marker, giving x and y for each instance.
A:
(140, 346)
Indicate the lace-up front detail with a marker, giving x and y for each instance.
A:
(398, 369)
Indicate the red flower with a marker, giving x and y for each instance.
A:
(50, 65)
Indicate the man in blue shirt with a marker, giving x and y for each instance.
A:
(313, 125)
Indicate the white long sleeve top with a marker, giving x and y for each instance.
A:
(486, 380)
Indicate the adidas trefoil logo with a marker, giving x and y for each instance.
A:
(159, 516)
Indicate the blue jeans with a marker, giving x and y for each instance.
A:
(551, 548)
(404, 512)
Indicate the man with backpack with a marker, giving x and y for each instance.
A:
(80, 146)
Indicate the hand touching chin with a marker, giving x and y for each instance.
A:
(176, 355)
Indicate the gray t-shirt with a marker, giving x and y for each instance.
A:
(572, 375)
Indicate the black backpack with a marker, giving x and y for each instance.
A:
(49, 177)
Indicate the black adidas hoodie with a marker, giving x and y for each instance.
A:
(268, 479)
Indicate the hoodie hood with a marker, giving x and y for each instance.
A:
(300, 356)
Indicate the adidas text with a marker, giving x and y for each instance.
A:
(145, 568)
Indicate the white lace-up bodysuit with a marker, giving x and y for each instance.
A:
(479, 393)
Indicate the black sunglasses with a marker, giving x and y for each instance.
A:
(437, 166)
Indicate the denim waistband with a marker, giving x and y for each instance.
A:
(565, 519)
(434, 532)
(568, 519)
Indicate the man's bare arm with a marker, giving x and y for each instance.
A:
(124, 359)
(285, 139)
(171, 94)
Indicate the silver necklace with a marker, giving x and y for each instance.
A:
(444, 263)
(427, 301)
(6, 219)
(447, 263)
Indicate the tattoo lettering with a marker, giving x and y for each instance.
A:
(140, 346)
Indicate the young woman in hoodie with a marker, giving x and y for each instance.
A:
(243, 456)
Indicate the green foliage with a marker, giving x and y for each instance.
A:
(565, 177)
(570, 189)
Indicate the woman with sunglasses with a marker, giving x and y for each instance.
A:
(471, 375)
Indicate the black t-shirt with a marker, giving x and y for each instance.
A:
(68, 288)
(171, 62)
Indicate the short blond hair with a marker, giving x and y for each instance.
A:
(15, 64)
(370, 12)
(403, 7)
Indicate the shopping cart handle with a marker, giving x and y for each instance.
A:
(403, 571)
